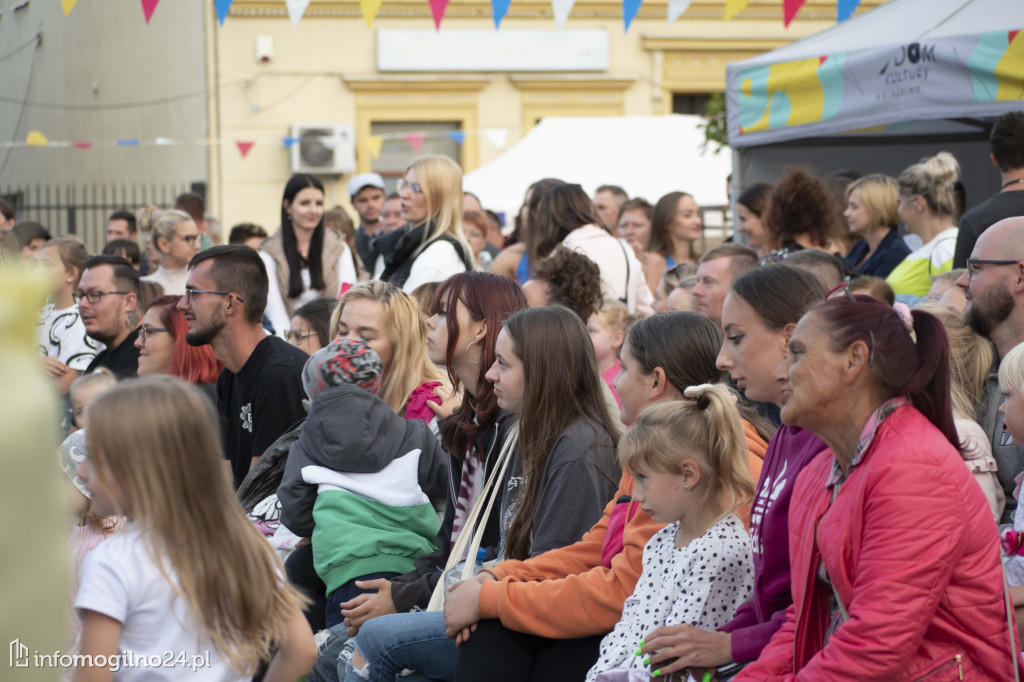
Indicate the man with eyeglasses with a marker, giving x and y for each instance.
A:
(259, 393)
(994, 288)
(108, 300)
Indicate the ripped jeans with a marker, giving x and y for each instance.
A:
(401, 641)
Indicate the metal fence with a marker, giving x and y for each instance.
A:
(83, 209)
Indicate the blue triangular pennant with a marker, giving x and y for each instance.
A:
(499, 8)
(222, 9)
(289, 141)
(456, 135)
(845, 9)
(629, 10)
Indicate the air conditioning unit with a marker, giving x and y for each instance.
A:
(323, 148)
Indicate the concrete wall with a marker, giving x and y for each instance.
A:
(100, 58)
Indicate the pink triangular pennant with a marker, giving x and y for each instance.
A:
(437, 8)
(415, 140)
(789, 10)
(147, 8)
(82, 145)
(244, 146)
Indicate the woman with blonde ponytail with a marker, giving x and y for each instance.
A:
(927, 204)
(189, 574)
(689, 461)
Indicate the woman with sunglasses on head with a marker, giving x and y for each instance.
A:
(176, 238)
(895, 556)
(432, 246)
(305, 260)
(164, 350)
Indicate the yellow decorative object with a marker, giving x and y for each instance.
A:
(369, 8)
(36, 139)
(734, 7)
(68, 5)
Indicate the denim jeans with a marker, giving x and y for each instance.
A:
(395, 642)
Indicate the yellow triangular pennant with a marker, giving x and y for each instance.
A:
(36, 139)
(734, 7)
(68, 6)
(373, 144)
(369, 8)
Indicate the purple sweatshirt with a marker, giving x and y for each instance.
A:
(757, 619)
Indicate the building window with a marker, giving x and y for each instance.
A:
(396, 153)
(690, 103)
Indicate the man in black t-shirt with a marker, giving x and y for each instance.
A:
(259, 393)
(108, 304)
(1007, 140)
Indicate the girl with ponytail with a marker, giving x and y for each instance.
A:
(689, 460)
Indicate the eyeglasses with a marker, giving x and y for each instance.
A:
(413, 186)
(95, 296)
(973, 263)
(189, 239)
(189, 293)
(294, 335)
(145, 332)
(843, 292)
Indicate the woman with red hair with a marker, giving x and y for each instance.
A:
(163, 349)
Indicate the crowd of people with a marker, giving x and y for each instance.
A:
(591, 445)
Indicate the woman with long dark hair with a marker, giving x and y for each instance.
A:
(304, 259)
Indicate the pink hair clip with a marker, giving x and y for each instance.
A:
(902, 311)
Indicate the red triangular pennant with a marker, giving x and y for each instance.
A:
(244, 146)
(82, 145)
(437, 8)
(415, 140)
(147, 8)
(789, 10)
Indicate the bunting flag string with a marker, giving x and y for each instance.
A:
(560, 10)
(789, 10)
(374, 143)
(148, 6)
(68, 5)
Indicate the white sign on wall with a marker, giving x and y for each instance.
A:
(488, 50)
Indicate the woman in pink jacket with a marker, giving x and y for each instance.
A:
(894, 553)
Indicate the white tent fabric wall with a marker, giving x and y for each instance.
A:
(648, 156)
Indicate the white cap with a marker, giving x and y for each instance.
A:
(364, 180)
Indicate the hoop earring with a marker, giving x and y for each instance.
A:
(471, 344)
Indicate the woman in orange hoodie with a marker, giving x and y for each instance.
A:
(543, 618)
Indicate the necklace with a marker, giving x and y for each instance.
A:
(1011, 182)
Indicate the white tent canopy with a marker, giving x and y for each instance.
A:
(908, 67)
(648, 156)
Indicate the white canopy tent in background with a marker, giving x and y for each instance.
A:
(648, 156)
(879, 91)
